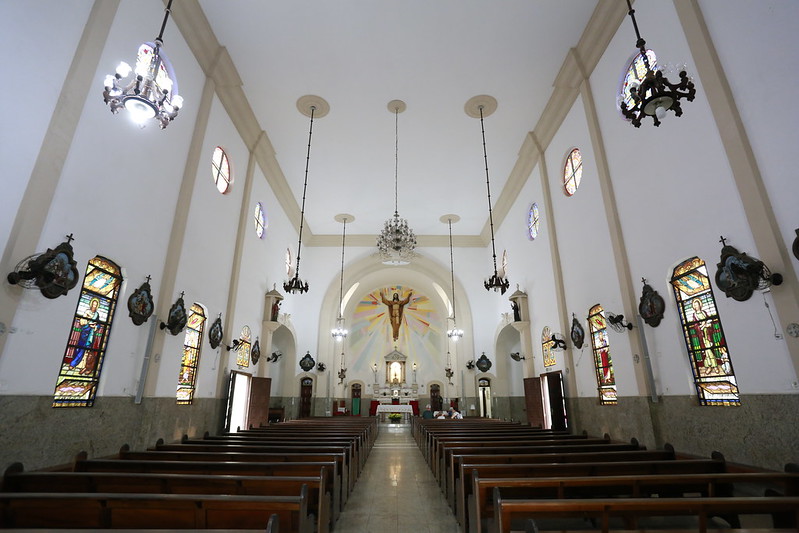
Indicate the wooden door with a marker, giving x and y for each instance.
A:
(557, 405)
(534, 401)
(356, 399)
(306, 396)
(435, 398)
(258, 411)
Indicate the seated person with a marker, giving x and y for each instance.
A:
(441, 415)
(428, 412)
(455, 415)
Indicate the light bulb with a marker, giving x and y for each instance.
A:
(660, 112)
(177, 101)
(123, 69)
(109, 82)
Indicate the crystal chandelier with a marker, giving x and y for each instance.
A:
(152, 91)
(656, 94)
(396, 242)
(478, 107)
(454, 333)
(308, 105)
(340, 332)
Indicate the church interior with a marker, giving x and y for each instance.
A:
(328, 208)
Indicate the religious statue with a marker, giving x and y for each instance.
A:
(395, 307)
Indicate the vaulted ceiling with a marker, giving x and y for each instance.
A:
(434, 55)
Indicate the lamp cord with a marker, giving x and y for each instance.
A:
(341, 282)
(488, 188)
(396, 160)
(640, 43)
(168, 10)
(304, 187)
(452, 273)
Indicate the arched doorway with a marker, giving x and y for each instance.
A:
(436, 402)
(484, 397)
(355, 391)
(306, 396)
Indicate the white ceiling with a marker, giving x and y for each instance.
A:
(434, 55)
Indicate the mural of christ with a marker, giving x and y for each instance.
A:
(395, 307)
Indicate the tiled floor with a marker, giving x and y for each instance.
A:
(396, 492)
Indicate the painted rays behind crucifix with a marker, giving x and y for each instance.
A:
(371, 335)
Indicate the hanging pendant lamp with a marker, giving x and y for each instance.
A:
(310, 106)
(479, 107)
(396, 241)
(454, 333)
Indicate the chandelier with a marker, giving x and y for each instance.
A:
(655, 94)
(152, 90)
(308, 106)
(396, 242)
(455, 334)
(339, 332)
(478, 107)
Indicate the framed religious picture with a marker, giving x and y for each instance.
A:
(215, 332)
(577, 333)
(177, 317)
(140, 304)
(651, 306)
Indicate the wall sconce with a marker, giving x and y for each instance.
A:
(274, 357)
(234, 345)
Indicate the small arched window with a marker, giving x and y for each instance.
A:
(546, 346)
(191, 355)
(220, 170)
(259, 217)
(606, 381)
(572, 172)
(79, 376)
(633, 76)
(533, 221)
(714, 377)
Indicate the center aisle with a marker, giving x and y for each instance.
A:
(396, 492)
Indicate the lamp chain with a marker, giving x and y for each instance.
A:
(488, 188)
(452, 273)
(304, 188)
(341, 282)
(396, 160)
(168, 10)
(640, 43)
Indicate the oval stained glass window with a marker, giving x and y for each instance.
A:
(533, 221)
(572, 172)
(260, 220)
(635, 72)
(220, 170)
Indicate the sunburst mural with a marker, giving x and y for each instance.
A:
(417, 325)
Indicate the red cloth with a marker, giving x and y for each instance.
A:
(394, 401)
(415, 407)
(373, 408)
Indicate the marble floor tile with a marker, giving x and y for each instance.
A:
(396, 492)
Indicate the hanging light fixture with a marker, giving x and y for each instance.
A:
(340, 332)
(479, 107)
(655, 94)
(152, 91)
(455, 334)
(309, 106)
(396, 242)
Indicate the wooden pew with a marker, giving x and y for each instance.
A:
(600, 468)
(219, 468)
(152, 511)
(340, 458)
(319, 497)
(630, 486)
(631, 511)
(455, 484)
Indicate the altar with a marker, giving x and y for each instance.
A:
(405, 409)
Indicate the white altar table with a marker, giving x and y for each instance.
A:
(405, 409)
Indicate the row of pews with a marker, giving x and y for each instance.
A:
(288, 477)
(500, 477)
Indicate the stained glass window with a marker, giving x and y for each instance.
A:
(606, 382)
(572, 172)
(546, 346)
(220, 170)
(244, 347)
(83, 358)
(260, 220)
(714, 377)
(533, 221)
(636, 71)
(191, 355)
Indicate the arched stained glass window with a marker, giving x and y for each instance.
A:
(572, 172)
(714, 377)
(191, 355)
(260, 220)
(546, 346)
(635, 73)
(606, 381)
(533, 221)
(244, 347)
(220, 170)
(83, 358)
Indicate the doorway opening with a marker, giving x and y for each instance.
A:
(356, 399)
(248, 401)
(484, 397)
(436, 401)
(306, 397)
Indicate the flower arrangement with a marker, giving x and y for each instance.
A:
(394, 417)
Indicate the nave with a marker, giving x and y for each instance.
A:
(396, 492)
